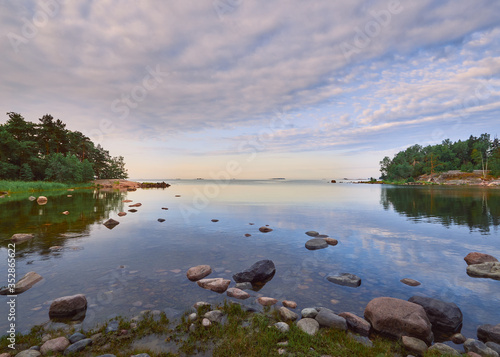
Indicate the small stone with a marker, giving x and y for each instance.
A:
(133, 210)
(414, 344)
(76, 337)
(266, 301)
(248, 235)
(42, 200)
(237, 293)
(479, 258)
(121, 214)
(200, 304)
(192, 316)
(25, 353)
(282, 326)
(58, 344)
(32, 198)
(410, 282)
(458, 338)
(215, 220)
(206, 322)
(364, 340)
(25, 283)
(161, 220)
(327, 318)
(68, 306)
(471, 345)
(78, 346)
(308, 325)
(309, 312)
(111, 223)
(290, 304)
(218, 285)
(69, 195)
(356, 323)
(345, 279)
(287, 315)
(331, 241)
(198, 272)
(214, 316)
(265, 229)
(65, 213)
(312, 233)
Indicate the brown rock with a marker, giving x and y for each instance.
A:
(127, 201)
(21, 237)
(397, 318)
(479, 258)
(331, 241)
(218, 285)
(26, 282)
(290, 304)
(111, 223)
(133, 210)
(136, 205)
(237, 293)
(356, 324)
(68, 306)
(55, 345)
(410, 282)
(198, 272)
(266, 301)
(42, 200)
(121, 214)
(265, 229)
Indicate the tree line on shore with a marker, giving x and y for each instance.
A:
(475, 153)
(48, 151)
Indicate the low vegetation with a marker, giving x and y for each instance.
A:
(34, 186)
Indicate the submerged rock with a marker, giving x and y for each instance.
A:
(345, 279)
(485, 270)
(237, 293)
(26, 282)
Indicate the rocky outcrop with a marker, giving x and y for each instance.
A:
(485, 270)
(260, 272)
(479, 258)
(26, 282)
(445, 317)
(397, 318)
(154, 185)
(68, 306)
(198, 272)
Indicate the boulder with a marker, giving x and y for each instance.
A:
(316, 243)
(266, 301)
(78, 346)
(218, 285)
(414, 345)
(287, 314)
(42, 200)
(410, 282)
(260, 272)
(21, 237)
(445, 317)
(479, 258)
(55, 345)
(198, 272)
(327, 318)
(237, 293)
(26, 282)
(489, 333)
(345, 279)
(68, 306)
(485, 270)
(111, 223)
(356, 324)
(309, 326)
(444, 349)
(397, 318)
(471, 345)
(265, 229)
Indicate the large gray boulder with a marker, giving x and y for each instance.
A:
(260, 272)
(446, 317)
(397, 318)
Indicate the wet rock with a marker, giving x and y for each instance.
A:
(218, 285)
(198, 272)
(26, 282)
(68, 306)
(111, 223)
(410, 282)
(489, 332)
(327, 318)
(282, 326)
(260, 272)
(76, 337)
(21, 237)
(316, 243)
(287, 315)
(445, 317)
(42, 200)
(471, 345)
(265, 229)
(345, 279)
(237, 293)
(214, 316)
(121, 214)
(55, 345)
(485, 270)
(266, 301)
(290, 304)
(78, 346)
(309, 312)
(479, 258)
(414, 345)
(356, 324)
(397, 318)
(308, 325)
(331, 241)
(312, 233)
(444, 349)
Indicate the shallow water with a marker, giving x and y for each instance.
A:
(385, 233)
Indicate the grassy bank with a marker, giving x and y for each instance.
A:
(33, 186)
(242, 333)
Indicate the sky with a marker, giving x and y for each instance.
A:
(254, 89)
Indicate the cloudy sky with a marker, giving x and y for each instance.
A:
(256, 89)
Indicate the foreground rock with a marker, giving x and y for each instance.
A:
(397, 318)
(316, 243)
(23, 284)
(198, 272)
(68, 306)
(260, 272)
(21, 237)
(237, 293)
(485, 270)
(309, 326)
(445, 317)
(78, 346)
(327, 318)
(356, 324)
(111, 223)
(444, 349)
(489, 333)
(219, 285)
(345, 279)
(287, 314)
(471, 345)
(479, 258)
(55, 345)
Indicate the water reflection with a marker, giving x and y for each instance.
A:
(476, 208)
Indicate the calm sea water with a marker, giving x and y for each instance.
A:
(385, 233)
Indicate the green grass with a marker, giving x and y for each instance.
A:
(33, 186)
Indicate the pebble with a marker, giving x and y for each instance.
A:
(206, 322)
(308, 325)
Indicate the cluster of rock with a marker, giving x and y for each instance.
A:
(154, 185)
(319, 241)
(481, 265)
